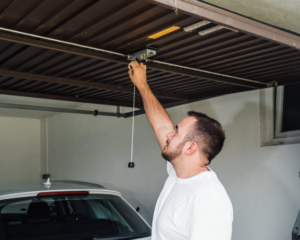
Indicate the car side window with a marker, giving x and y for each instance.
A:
(16, 208)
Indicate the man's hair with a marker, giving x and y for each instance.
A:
(207, 133)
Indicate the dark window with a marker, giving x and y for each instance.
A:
(70, 217)
(291, 108)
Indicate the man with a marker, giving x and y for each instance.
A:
(193, 203)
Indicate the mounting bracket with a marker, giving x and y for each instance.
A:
(272, 84)
(142, 55)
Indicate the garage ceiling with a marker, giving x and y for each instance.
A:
(38, 68)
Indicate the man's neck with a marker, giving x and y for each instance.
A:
(188, 168)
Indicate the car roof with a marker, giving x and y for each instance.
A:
(15, 188)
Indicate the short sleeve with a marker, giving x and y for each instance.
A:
(210, 223)
(170, 168)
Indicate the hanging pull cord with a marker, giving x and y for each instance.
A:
(132, 123)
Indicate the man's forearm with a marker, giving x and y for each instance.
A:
(157, 115)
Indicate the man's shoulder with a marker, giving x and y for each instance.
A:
(207, 188)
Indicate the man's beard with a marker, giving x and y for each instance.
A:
(173, 155)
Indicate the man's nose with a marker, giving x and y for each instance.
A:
(170, 135)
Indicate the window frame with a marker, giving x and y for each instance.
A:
(279, 99)
(271, 109)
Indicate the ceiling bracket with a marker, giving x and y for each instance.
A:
(272, 84)
(142, 55)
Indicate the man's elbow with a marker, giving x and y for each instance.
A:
(163, 130)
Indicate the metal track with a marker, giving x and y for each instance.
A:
(200, 70)
(64, 42)
(60, 110)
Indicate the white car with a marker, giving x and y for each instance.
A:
(67, 210)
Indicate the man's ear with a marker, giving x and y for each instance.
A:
(190, 148)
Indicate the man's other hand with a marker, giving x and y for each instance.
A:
(137, 74)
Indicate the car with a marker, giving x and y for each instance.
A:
(67, 210)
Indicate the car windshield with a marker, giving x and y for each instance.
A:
(74, 217)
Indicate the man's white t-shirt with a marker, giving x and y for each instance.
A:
(197, 208)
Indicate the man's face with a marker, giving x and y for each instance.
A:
(175, 139)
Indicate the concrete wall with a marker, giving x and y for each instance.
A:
(20, 149)
(262, 182)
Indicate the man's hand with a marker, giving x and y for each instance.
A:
(137, 74)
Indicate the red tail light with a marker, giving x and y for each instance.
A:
(63, 193)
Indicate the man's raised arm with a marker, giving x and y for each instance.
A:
(157, 115)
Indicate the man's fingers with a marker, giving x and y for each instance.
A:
(145, 67)
(135, 64)
(130, 73)
(131, 64)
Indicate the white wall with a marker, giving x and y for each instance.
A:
(20, 149)
(262, 182)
